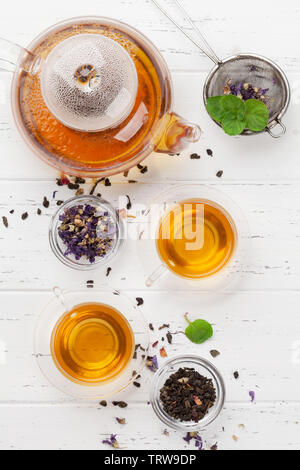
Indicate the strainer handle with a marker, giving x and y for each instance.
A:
(283, 130)
(202, 43)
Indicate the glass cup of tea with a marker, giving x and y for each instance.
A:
(85, 341)
(193, 233)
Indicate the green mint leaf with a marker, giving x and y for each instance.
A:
(199, 331)
(234, 106)
(233, 126)
(257, 115)
(215, 108)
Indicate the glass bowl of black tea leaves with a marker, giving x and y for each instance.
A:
(187, 393)
(86, 233)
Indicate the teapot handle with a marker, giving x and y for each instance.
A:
(177, 134)
(13, 56)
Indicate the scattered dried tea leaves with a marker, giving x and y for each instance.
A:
(46, 203)
(12, 211)
(214, 353)
(90, 284)
(5, 221)
(107, 182)
(195, 156)
(120, 404)
(209, 152)
(169, 337)
(121, 420)
(139, 301)
(143, 169)
(236, 375)
(112, 441)
(252, 395)
(59, 202)
(24, 216)
(137, 384)
(214, 447)
(151, 327)
(129, 204)
(39, 212)
(103, 403)
(198, 331)
(73, 186)
(108, 271)
(164, 326)
(163, 352)
(220, 174)
(79, 180)
(187, 395)
(95, 186)
(155, 344)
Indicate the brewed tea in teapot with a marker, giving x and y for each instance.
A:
(93, 97)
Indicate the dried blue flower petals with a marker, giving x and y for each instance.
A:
(198, 439)
(152, 363)
(245, 91)
(112, 441)
(252, 396)
(87, 231)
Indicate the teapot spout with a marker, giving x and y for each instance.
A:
(177, 134)
(13, 56)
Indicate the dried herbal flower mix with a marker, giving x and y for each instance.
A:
(87, 231)
(187, 395)
(245, 91)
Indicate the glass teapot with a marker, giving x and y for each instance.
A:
(93, 97)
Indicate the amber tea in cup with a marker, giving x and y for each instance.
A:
(196, 239)
(92, 343)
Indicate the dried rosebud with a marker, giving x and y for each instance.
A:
(197, 401)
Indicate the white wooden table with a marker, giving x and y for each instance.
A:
(257, 326)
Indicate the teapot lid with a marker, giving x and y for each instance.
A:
(89, 82)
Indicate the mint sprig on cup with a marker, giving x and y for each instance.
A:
(236, 115)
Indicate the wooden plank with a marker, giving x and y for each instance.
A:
(257, 334)
(270, 29)
(27, 261)
(269, 426)
(259, 158)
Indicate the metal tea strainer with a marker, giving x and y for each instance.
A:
(241, 68)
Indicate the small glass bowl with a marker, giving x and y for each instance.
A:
(64, 301)
(204, 368)
(59, 248)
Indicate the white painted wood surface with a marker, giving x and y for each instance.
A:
(257, 327)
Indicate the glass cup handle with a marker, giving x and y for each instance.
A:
(59, 294)
(157, 274)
